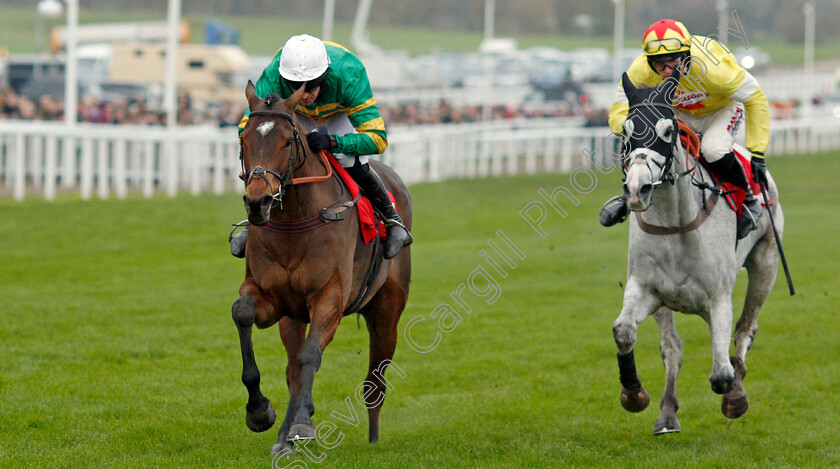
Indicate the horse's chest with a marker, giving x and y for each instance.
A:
(682, 281)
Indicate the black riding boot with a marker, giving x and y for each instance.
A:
(237, 243)
(730, 170)
(614, 211)
(373, 188)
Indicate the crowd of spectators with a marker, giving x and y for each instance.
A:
(115, 111)
(225, 114)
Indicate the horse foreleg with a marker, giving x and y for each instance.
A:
(382, 328)
(325, 315)
(637, 305)
(720, 328)
(292, 333)
(671, 348)
(259, 415)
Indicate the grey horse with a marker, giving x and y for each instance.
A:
(683, 256)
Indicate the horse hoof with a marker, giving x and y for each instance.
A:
(282, 449)
(666, 424)
(634, 401)
(260, 421)
(734, 406)
(301, 431)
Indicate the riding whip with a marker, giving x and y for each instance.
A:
(763, 184)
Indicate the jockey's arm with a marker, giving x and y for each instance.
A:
(371, 138)
(756, 113)
(360, 107)
(618, 114)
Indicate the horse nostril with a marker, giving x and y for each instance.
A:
(645, 189)
(266, 201)
(626, 190)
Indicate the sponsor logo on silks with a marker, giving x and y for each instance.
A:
(690, 100)
(735, 121)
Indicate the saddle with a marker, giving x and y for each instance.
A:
(733, 194)
(369, 222)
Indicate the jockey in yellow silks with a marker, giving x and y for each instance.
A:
(714, 96)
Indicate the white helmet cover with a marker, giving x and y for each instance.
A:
(303, 58)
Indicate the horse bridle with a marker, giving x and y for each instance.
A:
(667, 176)
(295, 162)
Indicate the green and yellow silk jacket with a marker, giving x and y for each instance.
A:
(346, 90)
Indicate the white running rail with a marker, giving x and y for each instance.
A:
(48, 158)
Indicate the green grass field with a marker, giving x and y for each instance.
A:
(118, 349)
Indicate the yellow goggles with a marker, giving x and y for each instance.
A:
(670, 44)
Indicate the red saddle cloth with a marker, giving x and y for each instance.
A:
(733, 194)
(368, 221)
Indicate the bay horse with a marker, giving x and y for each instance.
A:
(301, 276)
(683, 256)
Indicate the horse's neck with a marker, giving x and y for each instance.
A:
(677, 204)
(307, 199)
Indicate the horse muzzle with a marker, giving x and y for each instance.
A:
(258, 209)
(638, 197)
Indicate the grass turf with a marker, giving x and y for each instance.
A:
(118, 349)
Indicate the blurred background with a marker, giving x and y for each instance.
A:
(471, 66)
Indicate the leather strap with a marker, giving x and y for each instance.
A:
(665, 230)
(308, 179)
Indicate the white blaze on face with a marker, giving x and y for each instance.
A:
(265, 128)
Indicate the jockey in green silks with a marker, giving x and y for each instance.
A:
(338, 97)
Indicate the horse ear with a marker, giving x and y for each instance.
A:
(250, 92)
(670, 85)
(629, 87)
(295, 98)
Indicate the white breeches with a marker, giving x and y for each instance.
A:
(717, 130)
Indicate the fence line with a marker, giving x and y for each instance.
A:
(103, 161)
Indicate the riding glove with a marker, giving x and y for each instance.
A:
(318, 141)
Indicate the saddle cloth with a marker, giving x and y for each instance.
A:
(370, 224)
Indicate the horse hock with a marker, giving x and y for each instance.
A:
(259, 415)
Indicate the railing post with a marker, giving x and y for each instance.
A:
(49, 167)
(86, 169)
(148, 176)
(171, 164)
(120, 183)
(19, 184)
(102, 175)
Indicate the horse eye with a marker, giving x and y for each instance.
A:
(288, 143)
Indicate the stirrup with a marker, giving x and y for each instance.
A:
(749, 219)
(239, 240)
(244, 223)
(392, 222)
(621, 216)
